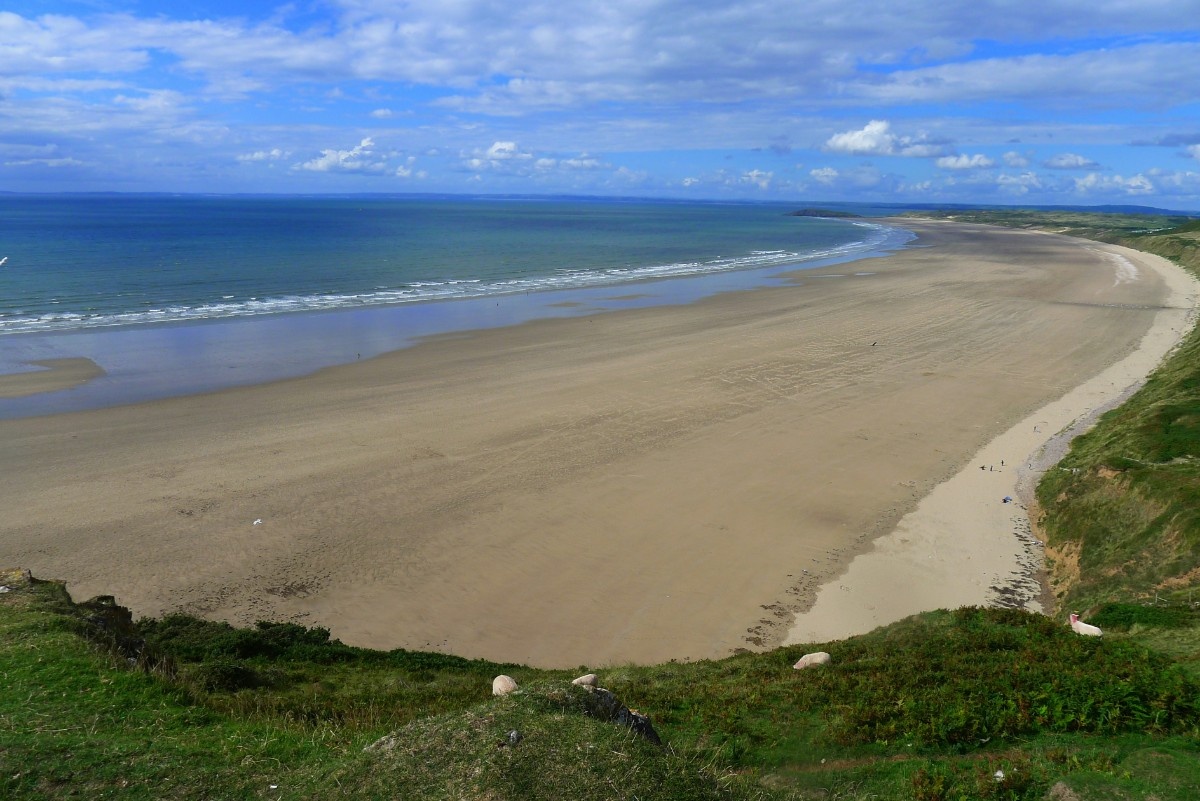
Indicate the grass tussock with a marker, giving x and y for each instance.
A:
(533, 744)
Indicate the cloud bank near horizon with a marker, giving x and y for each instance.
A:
(962, 101)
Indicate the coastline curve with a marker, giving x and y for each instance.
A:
(970, 541)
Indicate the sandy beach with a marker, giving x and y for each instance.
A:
(643, 485)
(952, 549)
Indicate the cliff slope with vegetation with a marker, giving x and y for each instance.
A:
(1122, 510)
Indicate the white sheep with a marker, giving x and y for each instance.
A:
(812, 660)
(1079, 627)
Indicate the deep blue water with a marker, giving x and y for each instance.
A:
(172, 295)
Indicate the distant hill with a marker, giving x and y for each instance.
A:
(1109, 209)
(821, 213)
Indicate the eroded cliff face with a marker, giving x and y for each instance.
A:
(101, 619)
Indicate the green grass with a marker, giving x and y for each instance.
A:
(928, 708)
(77, 721)
(943, 682)
(289, 673)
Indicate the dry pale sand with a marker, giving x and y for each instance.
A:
(642, 485)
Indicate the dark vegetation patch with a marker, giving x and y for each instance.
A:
(1123, 617)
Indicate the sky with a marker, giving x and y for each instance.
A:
(954, 101)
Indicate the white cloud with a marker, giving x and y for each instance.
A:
(159, 100)
(1069, 161)
(51, 163)
(1185, 183)
(627, 176)
(868, 177)
(162, 87)
(15, 150)
(825, 175)
(59, 44)
(503, 151)
(876, 139)
(577, 53)
(66, 86)
(1096, 183)
(760, 178)
(1019, 184)
(500, 156)
(551, 54)
(583, 162)
(359, 159)
(1102, 77)
(406, 170)
(964, 162)
(1014, 159)
(507, 157)
(274, 154)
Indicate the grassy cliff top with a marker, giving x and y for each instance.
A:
(993, 704)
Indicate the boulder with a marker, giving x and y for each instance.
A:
(603, 705)
(812, 660)
(503, 685)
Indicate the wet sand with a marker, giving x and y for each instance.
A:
(54, 375)
(643, 485)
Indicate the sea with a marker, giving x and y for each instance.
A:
(174, 295)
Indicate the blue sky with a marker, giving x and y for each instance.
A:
(980, 101)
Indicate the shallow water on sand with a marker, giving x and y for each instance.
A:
(161, 328)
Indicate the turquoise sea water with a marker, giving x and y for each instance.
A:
(172, 295)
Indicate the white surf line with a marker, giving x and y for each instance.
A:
(1126, 271)
(963, 545)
